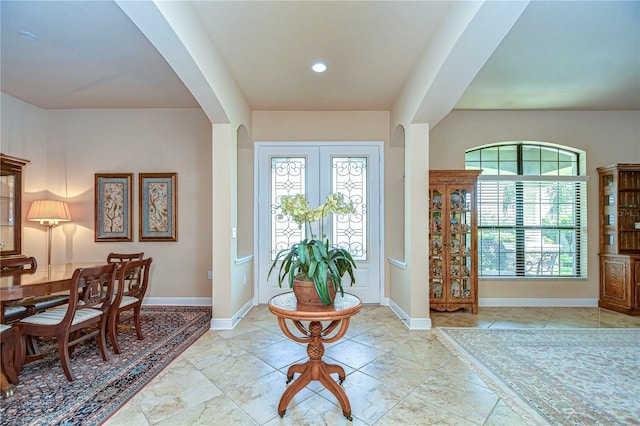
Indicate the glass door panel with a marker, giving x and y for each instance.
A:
(288, 177)
(436, 246)
(317, 170)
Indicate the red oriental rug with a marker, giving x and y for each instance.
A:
(45, 397)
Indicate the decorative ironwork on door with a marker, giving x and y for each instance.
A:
(350, 179)
(288, 177)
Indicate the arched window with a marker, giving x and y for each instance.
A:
(531, 203)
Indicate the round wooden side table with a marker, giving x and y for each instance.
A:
(284, 306)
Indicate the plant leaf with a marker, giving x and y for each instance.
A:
(301, 250)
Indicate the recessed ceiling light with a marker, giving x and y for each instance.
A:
(319, 67)
(27, 35)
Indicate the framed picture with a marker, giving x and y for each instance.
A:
(113, 204)
(158, 194)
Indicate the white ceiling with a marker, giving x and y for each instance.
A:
(572, 55)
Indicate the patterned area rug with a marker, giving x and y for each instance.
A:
(561, 377)
(45, 397)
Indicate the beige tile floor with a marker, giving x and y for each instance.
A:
(394, 376)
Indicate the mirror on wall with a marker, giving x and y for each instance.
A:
(10, 205)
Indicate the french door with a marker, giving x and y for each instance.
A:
(317, 170)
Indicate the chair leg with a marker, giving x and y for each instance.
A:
(113, 332)
(136, 319)
(63, 352)
(32, 345)
(102, 339)
(21, 352)
(73, 336)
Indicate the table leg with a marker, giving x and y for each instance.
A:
(300, 383)
(296, 368)
(333, 369)
(336, 390)
(9, 340)
(5, 386)
(315, 369)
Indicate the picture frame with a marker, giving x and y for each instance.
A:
(158, 209)
(113, 200)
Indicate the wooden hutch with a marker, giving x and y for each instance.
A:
(453, 235)
(620, 238)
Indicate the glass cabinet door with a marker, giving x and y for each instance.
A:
(436, 246)
(609, 211)
(460, 244)
(10, 205)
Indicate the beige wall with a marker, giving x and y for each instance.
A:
(409, 287)
(321, 126)
(606, 137)
(66, 149)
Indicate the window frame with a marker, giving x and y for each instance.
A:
(519, 226)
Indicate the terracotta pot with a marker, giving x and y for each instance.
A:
(308, 298)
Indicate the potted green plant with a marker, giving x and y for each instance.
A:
(314, 260)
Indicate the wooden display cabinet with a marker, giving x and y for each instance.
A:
(453, 234)
(10, 205)
(619, 208)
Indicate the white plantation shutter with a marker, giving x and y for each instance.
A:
(532, 225)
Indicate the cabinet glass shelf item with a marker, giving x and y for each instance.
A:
(619, 210)
(10, 205)
(453, 276)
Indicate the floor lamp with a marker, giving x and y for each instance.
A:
(49, 213)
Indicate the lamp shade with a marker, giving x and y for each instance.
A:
(51, 211)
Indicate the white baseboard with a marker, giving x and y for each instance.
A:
(410, 323)
(230, 323)
(177, 301)
(538, 302)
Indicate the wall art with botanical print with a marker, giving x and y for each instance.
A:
(158, 194)
(113, 204)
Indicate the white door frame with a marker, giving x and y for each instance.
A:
(379, 145)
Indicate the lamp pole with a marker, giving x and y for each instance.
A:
(50, 225)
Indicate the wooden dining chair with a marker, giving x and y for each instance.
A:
(9, 340)
(89, 301)
(18, 264)
(124, 257)
(16, 310)
(132, 282)
(19, 309)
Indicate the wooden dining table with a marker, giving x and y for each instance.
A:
(19, 285)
